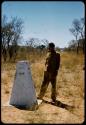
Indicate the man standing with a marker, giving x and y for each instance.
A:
(51, 70)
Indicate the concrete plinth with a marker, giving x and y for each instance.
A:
(23, 92)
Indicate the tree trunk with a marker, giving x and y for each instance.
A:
(77, 45)
(83, 47)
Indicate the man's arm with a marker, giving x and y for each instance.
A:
(58, 61)
(47, 61)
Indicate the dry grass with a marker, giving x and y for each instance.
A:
(70, 90)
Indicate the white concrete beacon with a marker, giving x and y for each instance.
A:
(23, 93)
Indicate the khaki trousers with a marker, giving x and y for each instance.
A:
(48, 77)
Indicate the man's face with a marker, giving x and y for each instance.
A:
(50, 49)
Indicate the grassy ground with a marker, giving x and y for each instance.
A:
(70, 90)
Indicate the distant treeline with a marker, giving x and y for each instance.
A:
(11, 32)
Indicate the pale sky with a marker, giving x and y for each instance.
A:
(46, 20)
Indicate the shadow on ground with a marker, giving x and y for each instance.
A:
(59, 104)
(56, 103)
(24, 107)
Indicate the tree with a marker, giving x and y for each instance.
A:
(77, 30)
(11, 32)
(36, 43)
(45, 42)
(72, 45)
(82, 33)
(82, 28)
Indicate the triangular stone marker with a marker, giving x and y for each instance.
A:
(23, 92)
